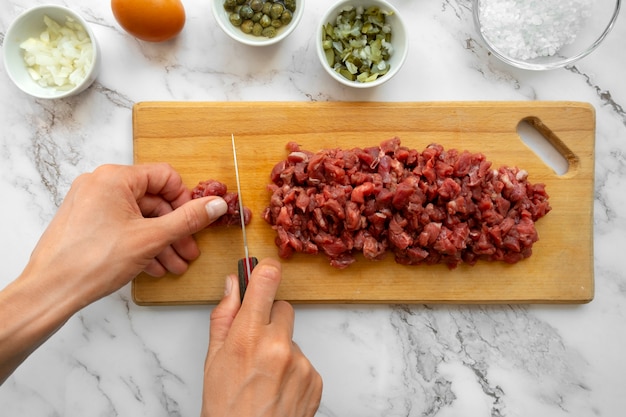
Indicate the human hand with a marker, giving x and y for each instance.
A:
(253, 368)
(119, 221)
(113, 224)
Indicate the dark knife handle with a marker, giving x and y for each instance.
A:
(242, 272)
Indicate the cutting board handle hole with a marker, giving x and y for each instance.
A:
(545, 144)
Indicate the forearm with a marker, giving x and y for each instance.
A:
(31, 310)
(99, 240)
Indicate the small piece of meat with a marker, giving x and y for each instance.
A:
(434, 206)
(207, 188)
(231, 217)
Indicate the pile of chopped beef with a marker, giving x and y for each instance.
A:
(232, 216)
(437, 206)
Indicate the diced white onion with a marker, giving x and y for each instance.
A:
(61, 56)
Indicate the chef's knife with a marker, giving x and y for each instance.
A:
(245, 265)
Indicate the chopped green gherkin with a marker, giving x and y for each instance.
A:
(261, 18)
(346, 74)
(330, 57)
(328, 32)
(357, 44)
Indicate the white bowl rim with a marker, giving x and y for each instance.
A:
(544, 66)
(52, 94)
(338, 77)
(251, 40)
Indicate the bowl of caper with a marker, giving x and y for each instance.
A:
(362, 43)
(258, 22)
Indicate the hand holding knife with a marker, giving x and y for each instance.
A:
(247, 264)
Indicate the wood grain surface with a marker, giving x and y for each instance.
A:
(194, 137)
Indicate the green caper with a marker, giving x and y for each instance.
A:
(240, 2)
(257, 29)
(276, 11)
(229, 5)
(257, 16)
(286, 17)
(246, 26)
(276, 23)
(269, 32)
(265, 21)
(267, 7)
(235, 19)
(290, 5)
(246, 12)
(257, 5)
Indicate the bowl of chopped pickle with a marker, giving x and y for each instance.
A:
(362, 43)
(258, 22)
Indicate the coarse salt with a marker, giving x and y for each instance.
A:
(528, 29)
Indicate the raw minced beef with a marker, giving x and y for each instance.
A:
(437, 206)
(232, 216)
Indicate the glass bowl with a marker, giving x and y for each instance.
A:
(543, 34)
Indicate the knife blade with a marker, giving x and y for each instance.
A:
(247, 264)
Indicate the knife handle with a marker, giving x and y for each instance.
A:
(242, 272)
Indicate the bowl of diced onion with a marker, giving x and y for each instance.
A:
(51, 52)
(362, 43)
(543, 34)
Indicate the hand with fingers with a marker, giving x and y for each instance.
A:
(113, 224)
(253, 367)
(121, 220)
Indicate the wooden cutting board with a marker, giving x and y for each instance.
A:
(195, 139)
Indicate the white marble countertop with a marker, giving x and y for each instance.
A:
(117, 359)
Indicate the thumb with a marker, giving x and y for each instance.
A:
(192, 217)
(261, 292)
(222, 317)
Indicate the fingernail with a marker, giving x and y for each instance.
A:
(228, 285)
(216, 208)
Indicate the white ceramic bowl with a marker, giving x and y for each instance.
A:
(399, 40)
(222, 17)
(30, 24)
(573, 30)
